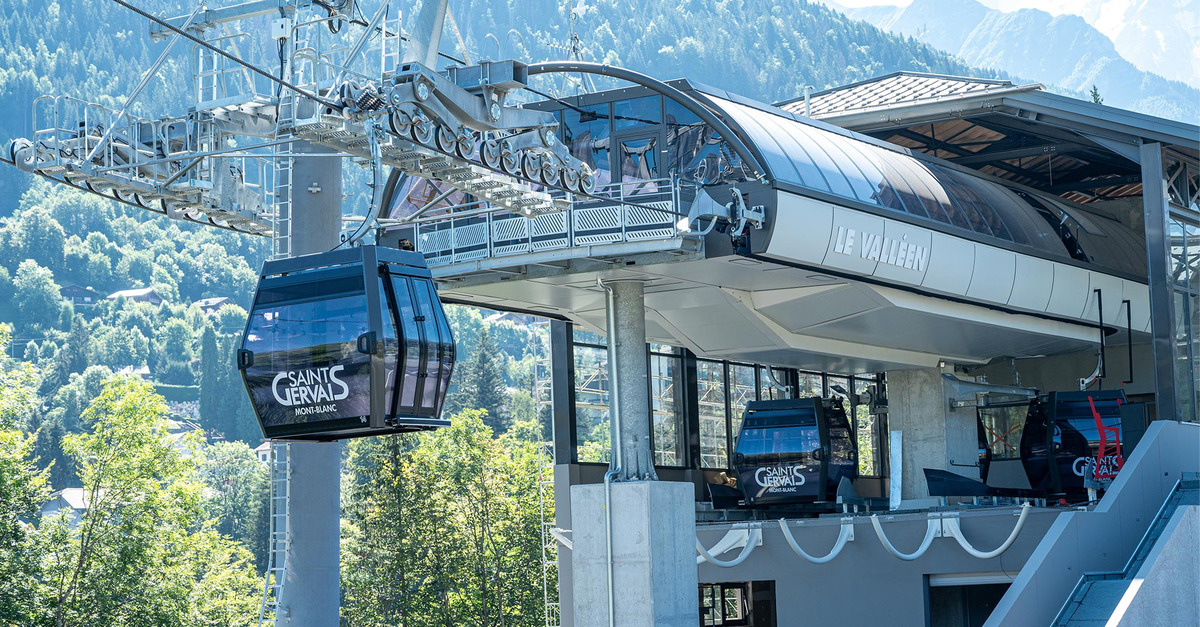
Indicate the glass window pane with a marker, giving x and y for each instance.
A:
(865, 157)
(591, 404)
(810, 385)
(666, 394)
(411, 337)
(714, 442)
(391, 347)
(639, 163)
(586, 132)
(448, 350)
(812, 164)
(777, 160)
(587, 337)
(637, 113)
(865, 429)
(742, 390)
(864, 187)
(432, 346)
(696, 153)
(307, 367)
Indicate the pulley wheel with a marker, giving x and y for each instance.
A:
(464, 145)
(422, 130)
(400, 122)
(531, 165)
(446, 139)
(569, 178)
(144, 203)
(548, 173)
(23, 155)
(489, 154)
(510, 161)
(587, 184)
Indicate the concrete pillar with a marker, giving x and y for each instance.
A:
(654, 573)
(932, 436)
(311, 592)
(630, 376)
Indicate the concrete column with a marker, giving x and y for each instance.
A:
(311, 592)
(630, 375)
(931, 435)
(653, 540)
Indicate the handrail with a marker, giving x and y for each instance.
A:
(951, 526)
(752, 540)
(933, 529)
(846, 534)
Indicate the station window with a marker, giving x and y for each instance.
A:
(592, 390)
(666, 400)
(714, 423)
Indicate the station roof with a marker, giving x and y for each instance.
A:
(1079, 150)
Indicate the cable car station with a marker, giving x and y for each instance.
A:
(926, 340)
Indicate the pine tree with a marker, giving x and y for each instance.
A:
(487, 383)
(1095, 94)
(210, 392)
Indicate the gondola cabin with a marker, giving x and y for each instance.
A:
(794, 451)
(1055, 442)
(345, 344)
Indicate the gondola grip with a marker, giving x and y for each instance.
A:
(245, 358)
(366, 343)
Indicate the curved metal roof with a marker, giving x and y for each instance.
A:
(805, 154)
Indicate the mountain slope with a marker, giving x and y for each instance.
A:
(1063, 51)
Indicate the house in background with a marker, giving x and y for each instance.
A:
(263, 452)
(71, 501)
(139, 295)
(80, 296)
(211, 306)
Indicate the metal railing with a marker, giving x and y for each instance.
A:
(629, 211)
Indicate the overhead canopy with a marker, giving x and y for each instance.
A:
(809, 155)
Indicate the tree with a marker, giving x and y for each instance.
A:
(443, 529)
(140, 554)
(174, 353)
(1095, 95)
(236, 498)
(482, 383)
(23, 488)
(209, 376)
(37, 297)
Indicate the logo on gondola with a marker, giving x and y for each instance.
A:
(300, 388)
(775, 477)
(1107, 466)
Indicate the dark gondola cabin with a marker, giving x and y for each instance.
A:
(347, 343)
(794, 451)
(1082, 431)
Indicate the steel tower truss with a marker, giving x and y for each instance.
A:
(366, 89)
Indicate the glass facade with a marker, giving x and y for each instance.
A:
(1184, 269)
(711, 411)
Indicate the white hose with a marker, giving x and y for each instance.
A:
(751, 542)
(930, 532)
(844, 536)
(951, 526)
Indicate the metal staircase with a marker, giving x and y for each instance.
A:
(1097, 594)
(280, 484)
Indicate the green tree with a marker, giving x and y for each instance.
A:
(23, 488)
(1095, 95)
(133, 558)
(174, 353)
(37, 297)
(481, 383)
(236, 495)
(209, 379)
(443, 529)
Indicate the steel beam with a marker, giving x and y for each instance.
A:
(1162, 301)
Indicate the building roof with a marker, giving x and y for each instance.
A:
(890, 90)
(138, 293)
(212, 302)
(76, 498)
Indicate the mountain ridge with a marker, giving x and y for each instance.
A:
(1064, 51)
